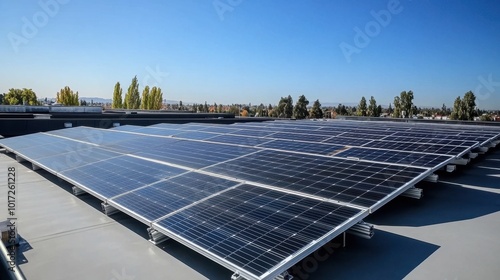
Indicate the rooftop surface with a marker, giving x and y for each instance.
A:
(452, 233)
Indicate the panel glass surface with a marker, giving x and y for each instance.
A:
(194, 154)
(389, 156)
(239, 140)
(305, 147)
(118, 175)
(165, 197)
(256, 228)
(356, 182)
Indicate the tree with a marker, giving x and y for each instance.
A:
(132, 98)
(155, 99)
(443, 110)
(300, 109)
(180, 106)
(244, 113)
(397, 107)
(362, 107)
(469, 102)
(117, 97)
(17, 96)
(285, 107)
(316, 111)
(145, 103)
(389, 109)
(372, 108)
(406, 99)
(2, 96)
(457, 113)
(67, 97)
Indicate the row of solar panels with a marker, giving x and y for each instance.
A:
(254, 209)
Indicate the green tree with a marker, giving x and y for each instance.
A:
(300, 109)
(155, 99)
(145, 103)
(67, 97)
(406, 103)
(180, 106)
(362, 107)
(469, 101)
(397, 107)
(117, 97)
(372, 108)
(132, 98)
(2, 96)
(285, 107)
(316, 111)
(16, 96)
(457, 113)
(444, 110)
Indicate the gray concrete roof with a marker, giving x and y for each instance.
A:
(452, 233)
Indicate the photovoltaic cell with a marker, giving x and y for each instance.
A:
(118, 175)
(389, 156)
(239, 140)
(305, 147)
(338, 179)
(256, 228)
(417, 147)
(165, 197)
(195, 154)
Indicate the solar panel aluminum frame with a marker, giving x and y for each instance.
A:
(283, 265)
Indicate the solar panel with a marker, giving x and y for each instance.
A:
(239, 140)
(305, 147)
(111, 177)
(164, 197)
(194, 154)
(406, 158)
(261, 205)
(417, 147)
(297, 136)
(338, 179)
(93, 135)
(255, 229)
(59, 162)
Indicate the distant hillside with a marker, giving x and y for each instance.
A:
(96, 100)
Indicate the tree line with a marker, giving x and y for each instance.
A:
(152, 99)
(464, 108)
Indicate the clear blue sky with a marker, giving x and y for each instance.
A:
(256, 51)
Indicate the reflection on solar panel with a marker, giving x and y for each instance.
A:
(162, 198)
(111, 177)
(254, 197)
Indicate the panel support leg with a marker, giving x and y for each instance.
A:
(156, 237)
(20, 159)
(108, 209)
(77, 191)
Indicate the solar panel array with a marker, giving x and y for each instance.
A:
(254, 197)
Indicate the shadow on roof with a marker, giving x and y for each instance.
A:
(384, 257)
(447, 201)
